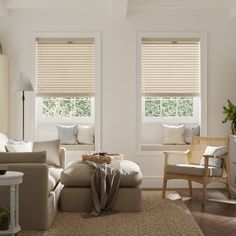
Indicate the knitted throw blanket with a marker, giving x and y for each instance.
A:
(105, 183)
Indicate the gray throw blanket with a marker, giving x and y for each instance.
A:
(105, 183)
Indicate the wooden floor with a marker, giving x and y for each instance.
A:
(218, 218)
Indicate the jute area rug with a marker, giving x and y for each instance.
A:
(164, 217)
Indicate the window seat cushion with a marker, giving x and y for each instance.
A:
(79, 147)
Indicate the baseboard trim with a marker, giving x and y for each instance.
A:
(156, 182)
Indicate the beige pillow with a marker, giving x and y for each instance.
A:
(85, 134)
(52, 149)
(173, 134)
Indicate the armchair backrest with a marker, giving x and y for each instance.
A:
(199, 145)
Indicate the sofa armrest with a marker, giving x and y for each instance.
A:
(33, 194)
(62, 157)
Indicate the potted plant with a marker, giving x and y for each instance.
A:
(4, 218)
(230, 112)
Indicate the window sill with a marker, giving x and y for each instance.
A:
(163, 147)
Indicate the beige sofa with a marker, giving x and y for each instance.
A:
(40, 190)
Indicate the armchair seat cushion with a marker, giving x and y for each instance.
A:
(197, 170)
(54, 177)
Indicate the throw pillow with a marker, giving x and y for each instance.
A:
(67, 133)
(85, 134)
(190, 131)
(3, 142)
(216, 152)
(19, 147)
(52, 149)
(173, 134)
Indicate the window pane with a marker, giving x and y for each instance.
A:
(152, 107)
(83, 107)
(49, 107)
(169, 106)
(185, 107)
(67, 106)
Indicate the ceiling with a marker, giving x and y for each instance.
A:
(118, 8)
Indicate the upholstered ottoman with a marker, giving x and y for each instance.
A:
(76, 194)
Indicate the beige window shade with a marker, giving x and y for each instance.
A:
(65, 67)
(170, 67)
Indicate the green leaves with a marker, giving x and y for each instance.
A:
(67, 106)
(230, 112)
(168, 106)
(4, 213)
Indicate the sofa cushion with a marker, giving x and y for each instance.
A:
(3, 142)
(23, 157)
(54, 176)
(52, 149)
(198, 170)
(79, 174)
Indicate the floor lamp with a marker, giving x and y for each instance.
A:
(22, 84)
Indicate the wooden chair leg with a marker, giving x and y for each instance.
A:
(164, 187)
(228, 189)
(204, 193)
(190, 187)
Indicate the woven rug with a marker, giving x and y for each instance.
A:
(164, 217)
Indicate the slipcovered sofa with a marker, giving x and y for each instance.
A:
(39, 193)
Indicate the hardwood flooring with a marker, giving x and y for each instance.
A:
(218, 217)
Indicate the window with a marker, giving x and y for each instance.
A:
(170, 79)
(171, 88)
(65, 71)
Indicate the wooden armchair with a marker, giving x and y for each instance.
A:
(192, 170)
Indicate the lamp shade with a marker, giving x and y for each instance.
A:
(22, 83)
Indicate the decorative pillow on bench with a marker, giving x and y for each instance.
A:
(67, 134)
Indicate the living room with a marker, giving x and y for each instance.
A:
(119, 33)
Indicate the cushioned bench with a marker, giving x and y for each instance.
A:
(76, 194)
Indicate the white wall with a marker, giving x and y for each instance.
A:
(118, 50)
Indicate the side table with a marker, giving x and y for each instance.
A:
(12, 179)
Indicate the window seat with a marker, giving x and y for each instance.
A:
(79, 147)
(164, 147)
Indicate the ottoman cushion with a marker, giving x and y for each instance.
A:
(78, 174)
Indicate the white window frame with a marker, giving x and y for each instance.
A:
(33, 102)
(175, 119)
(65, 120)
(203, 78)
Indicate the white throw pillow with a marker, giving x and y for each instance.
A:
(216, 152)
(173, 134)
(85, 134)
(19, 147)
(3, 142)
(67, 133)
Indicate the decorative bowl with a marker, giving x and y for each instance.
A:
(3, 172)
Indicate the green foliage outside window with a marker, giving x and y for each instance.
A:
(168, 106)
(67, 106)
